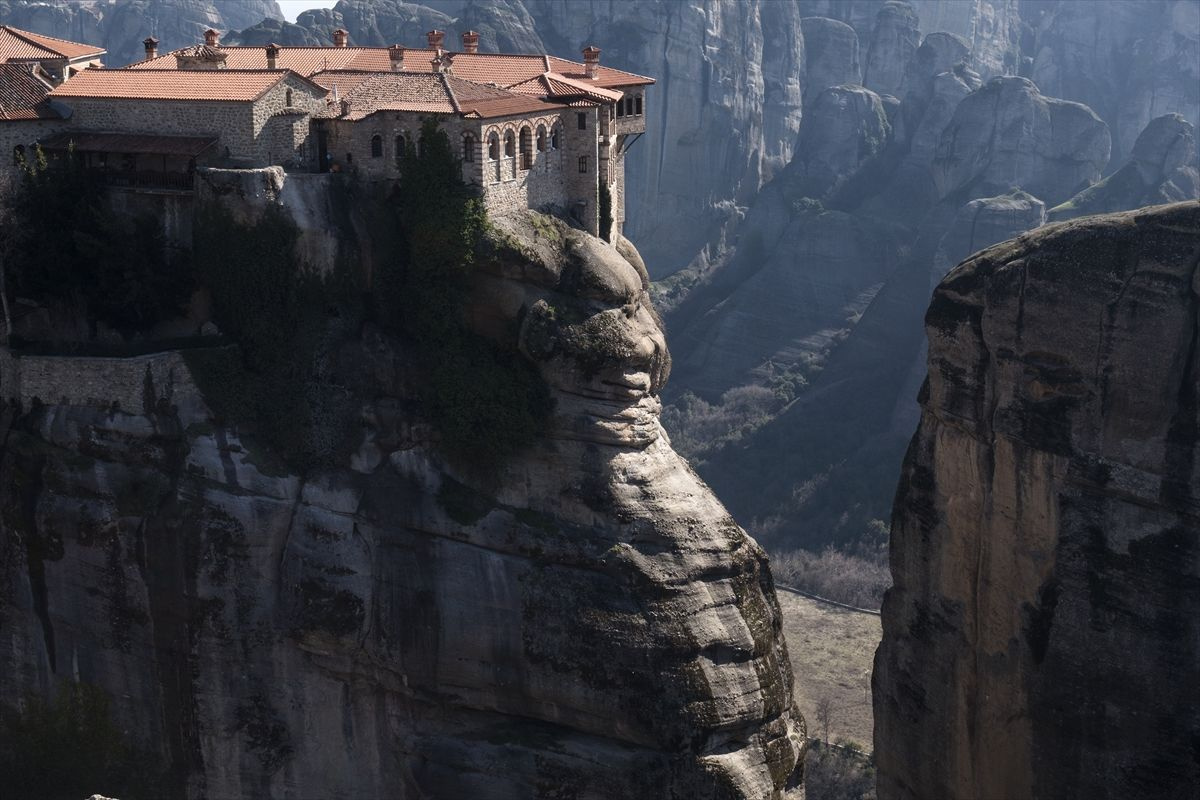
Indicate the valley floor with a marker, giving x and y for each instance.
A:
(831, 650)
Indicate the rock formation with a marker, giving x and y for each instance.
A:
(1040, 639)
(984, 222)
(1161, 169)
(587, 620)
(845, 127)
(893, 43)
(831, 51)
(1009, 135)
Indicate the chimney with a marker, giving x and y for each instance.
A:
(340, 38)
(272, 55)
(396, 55)
(470, 42)
(591, 60)
(442, 61)
(212, 38)
(151, 45)
(435, 39)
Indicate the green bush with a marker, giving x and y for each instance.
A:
(68, 748)
(606, 217)
(484, 398)
(67, 246)
(288, 321)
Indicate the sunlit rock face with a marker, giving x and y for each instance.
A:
(1040, 638)
(586, 620)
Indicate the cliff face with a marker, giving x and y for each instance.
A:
(588, 621)
(1040, 640)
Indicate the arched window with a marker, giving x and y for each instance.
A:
(288, 98)
(400, 148)
(468, 147)
(541, 138)
(510, 148)
(526, 147)
(493, 146)
(420, 146)
(18, 155)
(377, 146)
(554, 137)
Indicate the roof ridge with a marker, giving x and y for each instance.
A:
(22, 35)
(450, 93)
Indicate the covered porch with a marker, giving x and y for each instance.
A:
(134, 161)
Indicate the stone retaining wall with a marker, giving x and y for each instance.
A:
(134, 385)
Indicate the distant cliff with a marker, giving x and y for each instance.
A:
(1040, 640)
(584, 619)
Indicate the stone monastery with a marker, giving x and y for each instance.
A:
(533, 131)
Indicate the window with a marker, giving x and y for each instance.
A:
(637, 106)
(510, 148)
(468, 147)
(582, 121)
(541, 139)
(18, 155)
(621, 107)
(376, 146)
(583, 164)
(493, 147)
(349, 158)
(554, 137)
(401, 144)
(526, 148)
(288, 98)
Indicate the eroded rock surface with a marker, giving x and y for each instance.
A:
(588, 621)
(831, 49)
(1162, 169)
(1040, 640)
(1008, 135)
(893, 44)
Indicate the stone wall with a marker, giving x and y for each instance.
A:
(265, 131)
(135, 385)
(506, 185)
(581, 177)
(25, 133)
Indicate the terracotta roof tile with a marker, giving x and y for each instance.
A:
(23, 93)
(367, 93)
(170, 84)
(502, 69)
(17, 45)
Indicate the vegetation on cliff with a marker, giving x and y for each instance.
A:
(64, 245)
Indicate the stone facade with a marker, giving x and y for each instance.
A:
(264, 131)
(22, 133)
(136, 385)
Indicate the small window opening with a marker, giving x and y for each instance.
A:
(510, 148)
(468, 147)
(494, 147)
(526, 148)
(583, 165)
(400, 146)
(621, 107)
(288, 98)
(376, 146)
(582, 121)
(637, 106)
(541, 139)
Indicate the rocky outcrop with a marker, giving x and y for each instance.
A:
(894, 42)
(1162, 169)
(1132, 62)
(1040, 638)
(585, 619)
(984, 222)
(1008, 135)
(831, 51)
(845, 127)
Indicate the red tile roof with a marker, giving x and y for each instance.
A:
(19, 45)
(88, 141)
(367, 93)
(502, 69)
(172, 84)
(23, 93)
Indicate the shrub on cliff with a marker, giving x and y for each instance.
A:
(69, 747)
(485, 399)
(66, 246)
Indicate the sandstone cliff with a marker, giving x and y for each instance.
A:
(587, 621)
(1040, 640)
